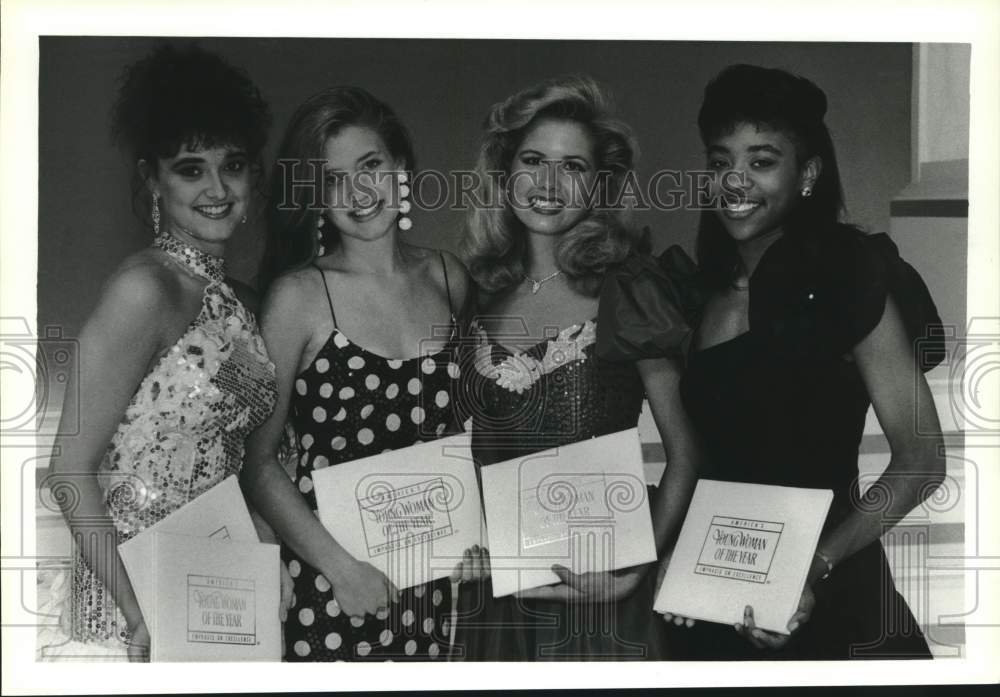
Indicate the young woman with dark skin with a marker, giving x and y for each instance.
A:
(802, 330)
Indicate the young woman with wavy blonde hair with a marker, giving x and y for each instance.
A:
(554, 162)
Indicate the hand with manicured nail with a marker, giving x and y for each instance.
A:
(361, 589)
(670, 617)
(475, 565)
(678, 620)
(763, 639)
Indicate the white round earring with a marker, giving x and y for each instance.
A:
(807, 191)
(405, 223)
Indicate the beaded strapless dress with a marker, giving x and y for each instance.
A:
(182, 433)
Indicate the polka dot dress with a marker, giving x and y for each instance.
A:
(351, 403)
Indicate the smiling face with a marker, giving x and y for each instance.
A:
(203, 194)
(759, 180)
(552, 172)
(362, 190)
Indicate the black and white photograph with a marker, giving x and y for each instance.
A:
(667, 348)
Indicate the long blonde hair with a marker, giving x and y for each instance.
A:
(494, 244)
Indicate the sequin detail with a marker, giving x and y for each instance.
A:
(564, 402)
(182, 434)
(208, 266)
(519, 371)
(562, 394)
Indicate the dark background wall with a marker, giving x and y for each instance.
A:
(442, 90)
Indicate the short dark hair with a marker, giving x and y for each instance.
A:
(777, 100)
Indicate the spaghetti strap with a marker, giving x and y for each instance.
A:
(447, 288)
(328, 300)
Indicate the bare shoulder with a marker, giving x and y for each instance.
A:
(459, 280)
(456, 269)
(291, 295)
(453, 276)
(142, 280)
(134, 304)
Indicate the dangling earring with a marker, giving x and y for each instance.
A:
(807, 191)
(156, 215)
(243, 220)
(320, 250)
(404, 206)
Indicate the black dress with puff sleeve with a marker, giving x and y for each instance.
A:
(784, 404)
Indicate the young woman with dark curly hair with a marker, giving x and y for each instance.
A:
(172, 368)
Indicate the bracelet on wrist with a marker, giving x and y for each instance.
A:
(829, 565)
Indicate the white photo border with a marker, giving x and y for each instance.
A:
(23, 21)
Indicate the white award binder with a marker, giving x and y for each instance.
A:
(744, 544)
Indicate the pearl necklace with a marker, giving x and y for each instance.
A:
(203, 264)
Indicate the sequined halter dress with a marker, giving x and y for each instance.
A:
(183, 431)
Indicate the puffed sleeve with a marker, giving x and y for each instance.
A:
(911, 296)
(826, 293)
(857, 273)
(646, 307)
(870, 270)
(817, 293)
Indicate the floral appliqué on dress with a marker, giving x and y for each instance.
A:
(519, 371)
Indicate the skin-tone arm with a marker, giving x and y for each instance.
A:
(906, 413)
(358, 586)
(248, 296)
(117, 345)
(661, 380)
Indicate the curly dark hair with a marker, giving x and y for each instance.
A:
(186, 96)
